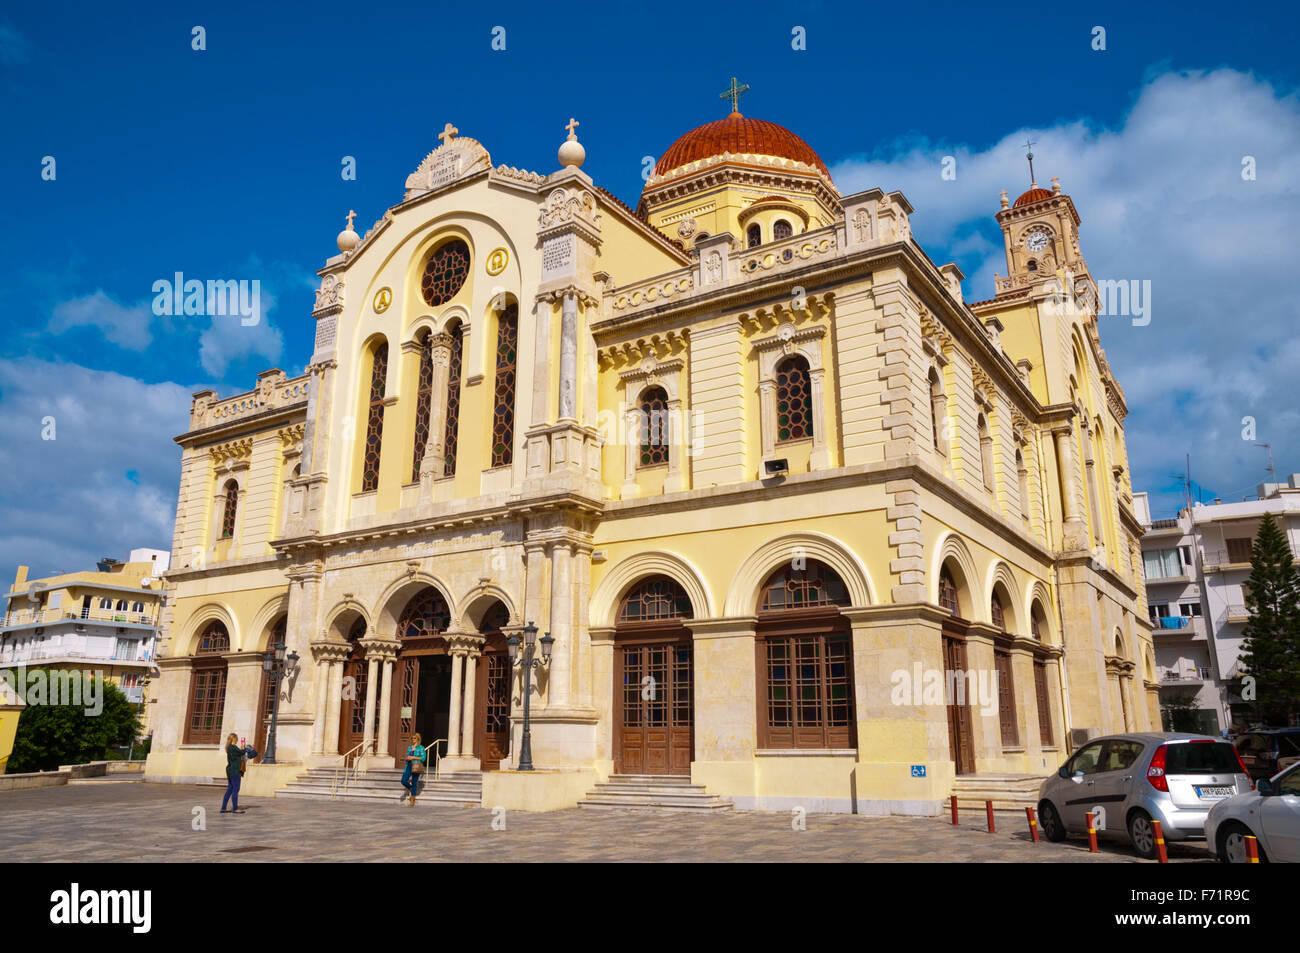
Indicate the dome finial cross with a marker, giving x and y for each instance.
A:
(448, 133)
(734, 92)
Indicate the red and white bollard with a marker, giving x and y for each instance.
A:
(1252, 848)
(1092, 833)
(1162, 855)
(1033, 824)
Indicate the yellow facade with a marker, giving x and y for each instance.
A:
(953, 474)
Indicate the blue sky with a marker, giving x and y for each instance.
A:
(226, 163)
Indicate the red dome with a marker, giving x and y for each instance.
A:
(1035, 194)
(737, 134)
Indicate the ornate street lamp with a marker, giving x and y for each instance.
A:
(528, 661)
(277, 666)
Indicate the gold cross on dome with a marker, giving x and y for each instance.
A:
(572, 125)
(734, 91)
(351, 216)
(448, 133)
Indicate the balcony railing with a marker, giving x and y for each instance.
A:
(38, 616)
(1179, 676)
(46, 654)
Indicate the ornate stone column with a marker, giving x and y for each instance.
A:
(387, 649)
(820, 459)
(433, 463)
(767, 416)
(677, 439)
(632, 442)
(568, 357)
(460, 751)
(329, 656)
(1075, 531)
(333, 707)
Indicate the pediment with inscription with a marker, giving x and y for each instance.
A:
(450, 162)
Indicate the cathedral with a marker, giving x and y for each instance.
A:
(740, 465)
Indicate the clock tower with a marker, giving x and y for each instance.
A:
(1041, 233)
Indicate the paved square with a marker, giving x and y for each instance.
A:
(104, 822)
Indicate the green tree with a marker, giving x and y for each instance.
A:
(1270, 652)
(51, 735)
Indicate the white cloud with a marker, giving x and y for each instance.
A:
(124, 326)
(70, 500)
(228, 339)
(1162, 198)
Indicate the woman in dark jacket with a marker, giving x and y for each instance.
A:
(235, 755)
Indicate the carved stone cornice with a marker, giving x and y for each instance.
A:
(464, 643)
(329, 297)
(320, 367)
(328, 650)
(788, 337)
(234, 452)
(556, 295)
(380, 648)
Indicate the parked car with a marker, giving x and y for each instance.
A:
(1270, 813)
(1129, 780)
(1267, 751)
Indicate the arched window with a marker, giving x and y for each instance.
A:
(995, 612)
(814, 586)
(106, 604)
(1022, 472)
(231, 508)
(452, 429)
(121, 605)
(654, 599)
(794, 419)
(938, 411)
(425, 615)
(948, 592)
(1033, 265)
(986, 453)
(654, 427)
(753, 236)
(503, 414)
(805, 659)
(352, 710)
(207, 699)
(445, 272)
(137, 607)
(375, 419)
(423, 406)
(781, 229)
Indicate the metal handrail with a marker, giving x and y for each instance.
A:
(348, 768)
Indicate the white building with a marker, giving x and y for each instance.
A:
(1195, 566)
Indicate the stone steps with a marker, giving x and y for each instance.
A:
(652, 792)
(385, 784)
(1008, 792)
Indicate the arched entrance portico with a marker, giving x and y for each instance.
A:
(422, 679)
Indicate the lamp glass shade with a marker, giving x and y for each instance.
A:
(530, 634)
(512, 647)
(547, 643)
(267, 662)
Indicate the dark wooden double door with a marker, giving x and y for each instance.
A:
(961, 735)
(654, 701)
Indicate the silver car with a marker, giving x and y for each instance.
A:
(1129, 780)
(1270, 813)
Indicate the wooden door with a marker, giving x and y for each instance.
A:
(960, 733)
(406, 692)
(654, 707)
(492, 699)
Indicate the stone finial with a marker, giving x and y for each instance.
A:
(348, 239)
(1056, 185)
(1005, 201)
(571, 151)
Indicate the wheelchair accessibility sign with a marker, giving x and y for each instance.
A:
(918, 770)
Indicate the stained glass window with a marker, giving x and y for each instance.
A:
(423, 402)
(816, 584)
(793, 400)
(753, 236)
(654, 427)
(445, 273)
(453, 400)
(427, 614)
(232, 507)
(375, 420)
(495, 619)
(503, 416)
(655, 598)
(995, 610)
(781, 229)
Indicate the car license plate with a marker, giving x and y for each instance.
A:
(1214, 792)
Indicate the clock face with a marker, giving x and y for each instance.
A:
(1036, 240)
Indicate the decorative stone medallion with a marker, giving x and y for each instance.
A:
(497, 261)
(383, 298)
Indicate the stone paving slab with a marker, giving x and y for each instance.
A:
(152, 823)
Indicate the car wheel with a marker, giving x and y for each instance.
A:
(1142, 834)
(1231, 848)
(1053, 829)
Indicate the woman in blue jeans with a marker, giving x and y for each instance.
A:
(411, 780)
(234, 760)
